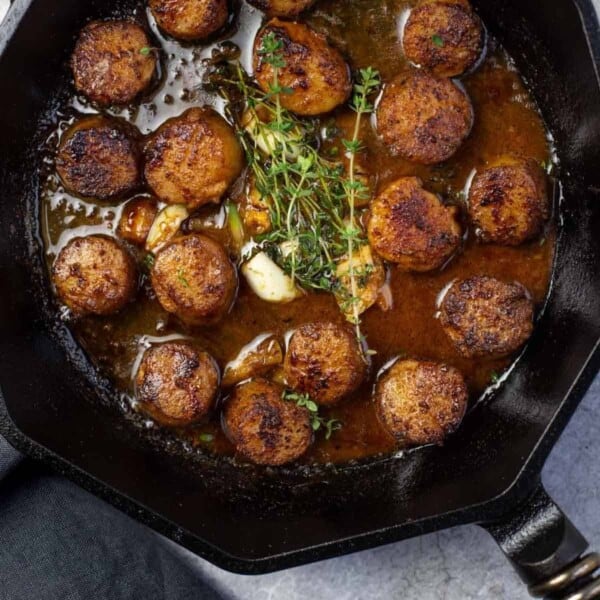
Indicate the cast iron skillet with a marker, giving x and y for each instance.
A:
(54, 407)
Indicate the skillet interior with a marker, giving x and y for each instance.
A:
(254, 520)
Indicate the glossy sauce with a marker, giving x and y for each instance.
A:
(367, 31)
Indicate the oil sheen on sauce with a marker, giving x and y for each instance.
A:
(368, 33)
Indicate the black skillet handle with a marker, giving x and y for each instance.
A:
(546, 550)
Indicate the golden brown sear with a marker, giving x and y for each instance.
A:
(136, 220)
(282, 8)
(423, 118)
(486, 317)
(444, 37)
(508, 201)
(176, 384)
(112, 62)
(265, 428)
(192, 159)
(315, 73)
(99, 157)
(94, 275)
(420, 402)
(411, 227)
(325, 361)
(190, 19)
(194, 279)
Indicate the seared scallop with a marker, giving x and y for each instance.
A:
(194, 279)
(508, 201)
(136, 220)
(282, 8)
(325, 361)
(190, 19)
(423, 118)
(176, 383)
(444, 37)
(265, 428)
(113, 62)
(315, 74)
(411, 227)
(94, 275)
(420, 402)
(192, 159)
(486, 317)
(99, 157)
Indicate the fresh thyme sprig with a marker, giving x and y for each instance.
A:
(316, 422)
(311, 199)
(368, 83)
(303, 190)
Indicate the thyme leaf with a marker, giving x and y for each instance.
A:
(148, 261)
(182, 279)
(147, 50)
(317, 422)
(437, 40)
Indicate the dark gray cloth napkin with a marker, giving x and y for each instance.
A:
(9, 458)
(58, 542)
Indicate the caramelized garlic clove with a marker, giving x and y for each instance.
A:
(268, 281)
(370, 277)
(255, 359)
(165, 226)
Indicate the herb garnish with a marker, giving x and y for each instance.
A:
(317, 422)
(146, 50)
(494, 377)
(234, 223)
(311, 198)
(368, 82)
(148, 261)
(182, 279)
(206, 438)
(437, 40)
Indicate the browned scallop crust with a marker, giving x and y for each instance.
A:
(94, 275)
(486, 317)
(411, 227)
(325, 361)
(192, 159)
(421, 402)
(190, 19)
(282, 8)
(136, 220)
(508, 202)
(444, 37)
(176, 384)
(194, 279)
(424, 118)
(315, 72)
(109, 63)
(99, 157)
(265, 428)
